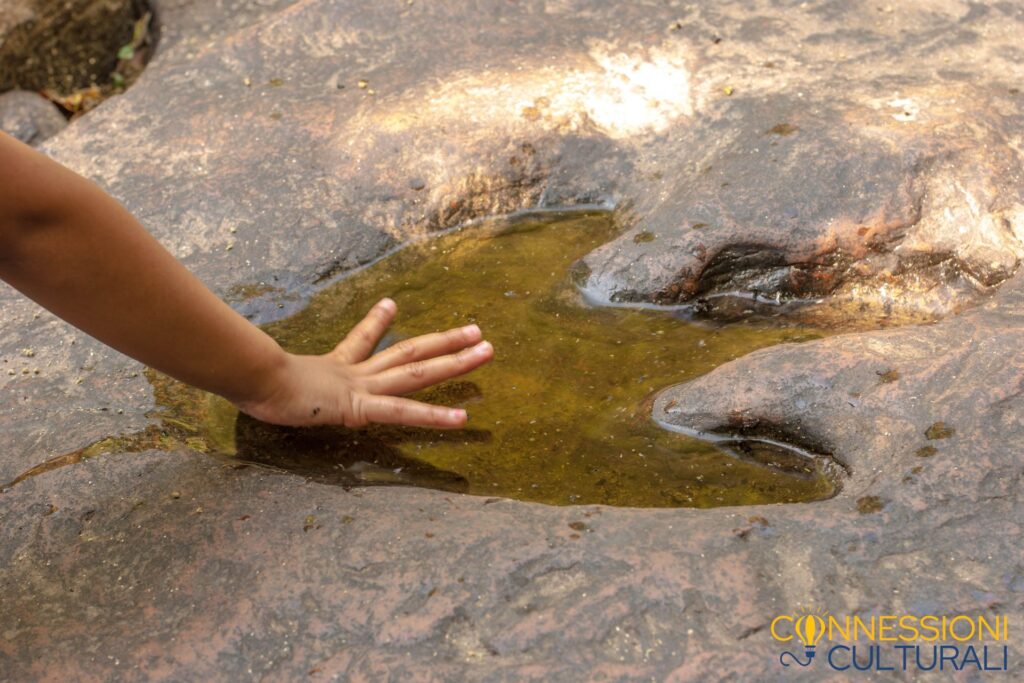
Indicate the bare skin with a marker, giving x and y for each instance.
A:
(76, 251)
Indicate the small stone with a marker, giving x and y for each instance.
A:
(926, 451)
(175, 495)
(417, 184)
(28, 353)
(29, 117)
(362, 83)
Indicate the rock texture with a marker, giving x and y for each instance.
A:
(29, 117)
(195, 23)
(897, 203)
(865, 156)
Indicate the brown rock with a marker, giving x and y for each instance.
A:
(899, 120)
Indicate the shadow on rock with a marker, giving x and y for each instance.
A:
(348, 457)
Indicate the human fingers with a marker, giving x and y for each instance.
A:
(421, 348)
(404, 411)
(359, 342)
(424, 373)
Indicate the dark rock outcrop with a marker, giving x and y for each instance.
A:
(62, 45)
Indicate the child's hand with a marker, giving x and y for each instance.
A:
(73, 249)
(349, 386)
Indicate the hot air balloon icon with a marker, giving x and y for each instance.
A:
(809, 628)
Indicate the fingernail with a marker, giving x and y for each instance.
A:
(387, 303)
(483, 348)
(471, 330)
(458, 414)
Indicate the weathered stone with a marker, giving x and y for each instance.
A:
(961, 374)
(824, 118)
(913, 214)
(62, 45)
(191, 24)
(29, 117)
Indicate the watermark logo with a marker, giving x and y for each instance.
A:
(809, 628)
(893, 642)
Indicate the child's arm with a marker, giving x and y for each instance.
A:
(76, 251)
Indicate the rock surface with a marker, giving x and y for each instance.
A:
(29, 117)
(892, 203)
(194, 23)
(867, 156)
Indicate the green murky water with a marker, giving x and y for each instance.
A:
(560, 416)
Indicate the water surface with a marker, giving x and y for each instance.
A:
(560, 416)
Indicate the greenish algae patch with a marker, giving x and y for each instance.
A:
(867, 505)
(561, 415)
(939, 430)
